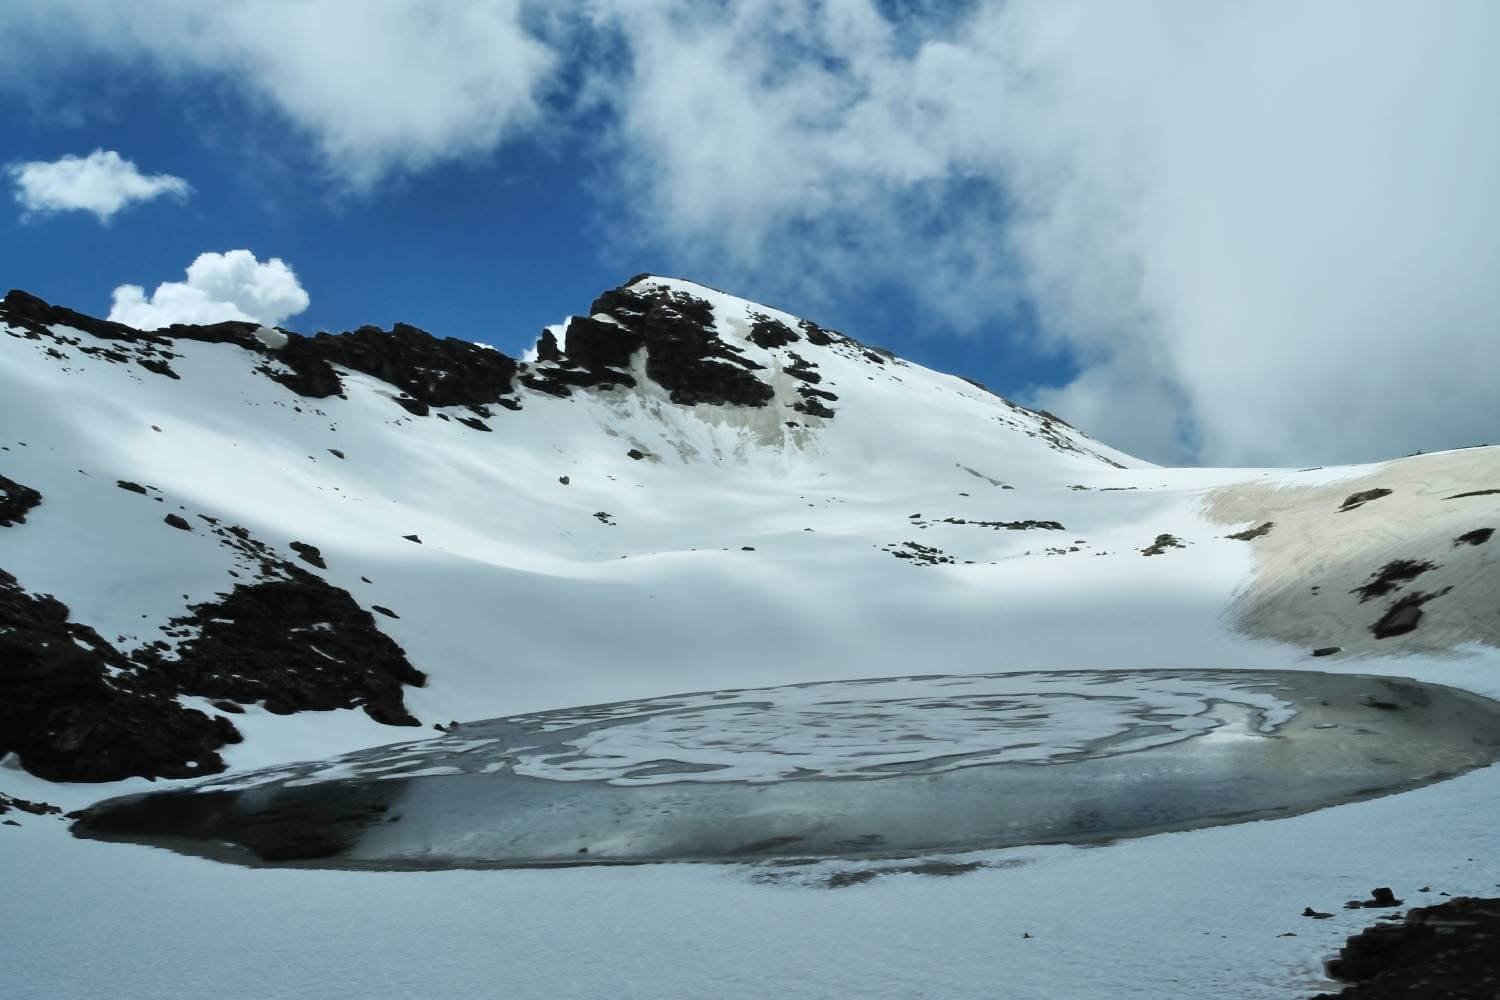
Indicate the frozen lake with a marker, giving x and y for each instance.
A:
(885, 767)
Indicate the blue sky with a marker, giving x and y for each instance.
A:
(1177, 226)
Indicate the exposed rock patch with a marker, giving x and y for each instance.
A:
(292, 644)
(309, 554)
(1451, 950)
(9, 802)
(73, 708)
(1476, 537)
(1391, 577)
(1357, 500)
(15, 501)
(1162, 544)
(1250, 534)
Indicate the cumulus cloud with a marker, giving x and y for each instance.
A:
(380, 87)
(219, 287)
(102, 182)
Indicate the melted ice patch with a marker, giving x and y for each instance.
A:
(868, 728)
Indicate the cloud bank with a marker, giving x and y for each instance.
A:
(219, 287)
(379, 87)
(1260, 233)
(102, 182)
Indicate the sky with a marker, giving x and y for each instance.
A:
(1206, 233)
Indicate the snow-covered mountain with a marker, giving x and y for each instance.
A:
(232, 547)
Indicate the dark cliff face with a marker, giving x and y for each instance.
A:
(684, 354)
(428, 371)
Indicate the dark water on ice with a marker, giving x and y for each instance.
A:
(888, 767)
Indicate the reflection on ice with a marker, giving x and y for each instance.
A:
(886, 766)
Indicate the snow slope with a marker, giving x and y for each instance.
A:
(746, 546)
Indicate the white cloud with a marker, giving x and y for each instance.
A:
(1266, 233)
(1263, 233)
(380, 86)
(219, 287)
(103, 183)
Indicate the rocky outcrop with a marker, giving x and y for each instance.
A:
(684, 354)
(15, 501)
(1451, 950)
(291, 644)
(74, 708)
(428, 371)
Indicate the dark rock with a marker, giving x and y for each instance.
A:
(596, 344)
(474, 422)
(1451, 950)
(335, 453)
(9, 802)
(604, 516)
(180, 523)
(1327, 650)
(1250, 534)
(1162, 544)
(770, 333)
(1390, 577)
(1355, 500)
(684, 354)
(1476, 537)
(813, 408)
(130, 487)
(385, 611)
(74, 708)
(636, 454)
(15, 501)
(412, 538)
(564, 480)
(1473, 493)
(158, 366)
(1308, 911)
(309, 554)
(1404, 615)
(293, 644)
(228, 706)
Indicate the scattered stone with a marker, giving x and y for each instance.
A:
(604, 517)
(1162, 543)
(9, 802)
(309, 554)
(747, 548)
(1473, 493)
(1476, 537)
(412, 538)
(636, 454)
(1327, 650)
(335, 453)
(1308, 911)
(564, 480)
(1250, 534)
(1379, 898)
(130, 487)
(385, 611)
(1356, 500)
(177, 522)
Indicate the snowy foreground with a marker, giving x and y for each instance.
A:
(911, 532)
